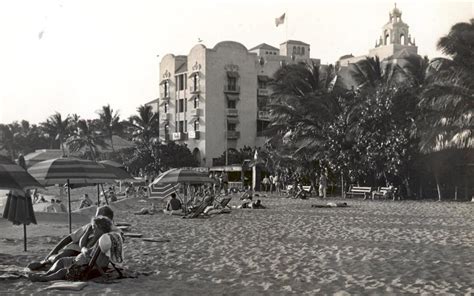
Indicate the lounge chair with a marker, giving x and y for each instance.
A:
(199, 209)
(224, 202)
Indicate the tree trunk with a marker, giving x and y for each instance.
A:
(62, 147)
(112, 143)
(438, 187)
(407, 187)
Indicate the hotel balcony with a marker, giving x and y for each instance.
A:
(231, 112)
(232, 89)
(177, 136)
(262, 92)
(195, 112)
(193, 135)
(233, 135)
(166, 116)
(263, 115)
(194, 89)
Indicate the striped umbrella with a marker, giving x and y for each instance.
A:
(185, 176)
(70, 171)
(13, 176)
(18, 208)
(118, 170)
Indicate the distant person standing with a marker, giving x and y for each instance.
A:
(225, 182)
(323, 184)
(266, 183)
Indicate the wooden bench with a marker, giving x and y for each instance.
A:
(384, 192)
(357, 190)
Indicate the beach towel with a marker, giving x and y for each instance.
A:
(66, 285)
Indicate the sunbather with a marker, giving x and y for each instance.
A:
(69, 245)
(68, 265)
(147, 211)
(173, 206)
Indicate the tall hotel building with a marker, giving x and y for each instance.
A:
(215, 99)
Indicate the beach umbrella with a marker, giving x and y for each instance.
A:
(13, 176)
(118, 170)
(70, 171)
(18, 208)
(182, 176)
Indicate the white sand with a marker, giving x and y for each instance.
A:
(380, 247)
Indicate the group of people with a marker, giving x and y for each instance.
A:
(278, 182)
(221, 182)
(70, 259)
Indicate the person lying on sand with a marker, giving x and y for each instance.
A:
(70, 245)
(147, 211)
(174, 206)
(332, 205)
(252, 205)
(59, 270)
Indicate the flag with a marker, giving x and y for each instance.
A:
(280, 20)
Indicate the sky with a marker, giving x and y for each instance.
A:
(75, 56)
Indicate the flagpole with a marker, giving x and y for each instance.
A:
(286, 25)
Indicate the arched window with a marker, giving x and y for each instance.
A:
(294, 49)
(302, 50)
(196, 102)
(402, 39)
(386, 38)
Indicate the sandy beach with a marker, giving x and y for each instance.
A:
(371, 247)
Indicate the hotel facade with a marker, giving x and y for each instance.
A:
(215, 99)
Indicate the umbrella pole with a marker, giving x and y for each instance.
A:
(24, 235)
(69, 205)
(105, 196)
(98, 196)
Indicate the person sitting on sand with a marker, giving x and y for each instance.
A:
(300, 192)
(257, 204)
(85, 202)
(59, 270)
(173, 206)
(111, 194)
(69, 245)
(248, 194)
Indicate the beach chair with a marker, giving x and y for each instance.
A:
(225, 202)
(199, 209)
(105, 246)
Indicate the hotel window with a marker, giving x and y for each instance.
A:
(180, 126)
(166, 107)
(180, 106)
(196, 126)
(262, 84)
(232, 83)
(231, 104)
(302, 50)
(181, 82)
(167, 130)
(166, 89)
(231, 127)
(196, 102)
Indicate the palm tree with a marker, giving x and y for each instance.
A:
(9, 139)
(145, 124)
(110, 123)
(58, 128)
(449, 97)
(86, 137)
